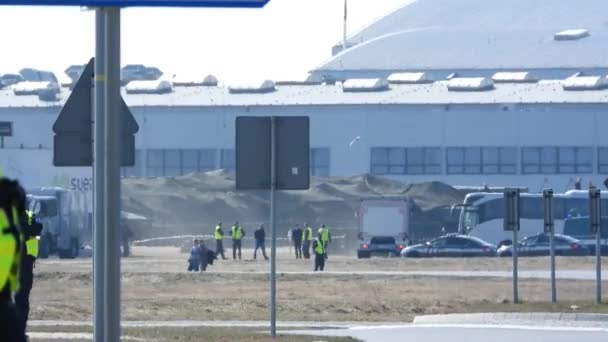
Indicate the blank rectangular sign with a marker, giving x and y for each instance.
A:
(253, 150)
(293, 152)
(252, 153)
(75, 150)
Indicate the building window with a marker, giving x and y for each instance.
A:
(173, 163)
(135, 170)
(423, 160)
(190, 161)
(553, 160)
(499, 160)
(319, 162)
(401, 161)
(170, 163)
(155, 163)
(207, 160)
(387, 161)
(481, 160)
(227, 160)
(602, 160)
(463, 160)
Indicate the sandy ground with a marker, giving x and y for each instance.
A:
(155, 287)
(169, 259)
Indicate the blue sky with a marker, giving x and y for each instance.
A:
(282, 41)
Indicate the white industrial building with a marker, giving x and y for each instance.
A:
(533, 124)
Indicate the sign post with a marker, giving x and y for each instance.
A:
(549, 229)
(272, 153)
(98, 184)
(595, 220)
(511, 197)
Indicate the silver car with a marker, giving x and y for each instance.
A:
(452, 245)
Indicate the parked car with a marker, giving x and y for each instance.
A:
(538, 245)
(451, 245)
(385, 246)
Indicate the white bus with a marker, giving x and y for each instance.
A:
(482, 214)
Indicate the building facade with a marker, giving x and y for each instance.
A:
(534, 135)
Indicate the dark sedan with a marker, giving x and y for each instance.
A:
(538, 245)
(451, 246)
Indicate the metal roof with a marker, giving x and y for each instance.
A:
(485, 34)
(543, 92)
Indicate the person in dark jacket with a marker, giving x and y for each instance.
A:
(296, 239)
(204, 255)
(260, 242)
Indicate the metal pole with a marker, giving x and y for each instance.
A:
(595, 220)
(98, 141)
(549, 228)
(515, 292)
(345, 22)
(273, 230)
(112, 175)
(511, 198)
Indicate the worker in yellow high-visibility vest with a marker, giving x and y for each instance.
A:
(30, 231)
(237, 232)
(12, 201)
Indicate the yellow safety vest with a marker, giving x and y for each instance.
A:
(218, 233)
(307, 234)
(30, 217)
(237, 232)
(324, 232)
(319, 248)
(31, 246)
(9, 254)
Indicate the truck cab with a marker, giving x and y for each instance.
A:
(383, 226)
(65, 219)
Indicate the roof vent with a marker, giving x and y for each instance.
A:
(409, 78)
(30, 74)
(585, 83)
(572, 34)
(297, 83)
(514, 77)
(48, 95)
(470, 84)
(365, 85)
(10, 79)
(208, 81)
(74, 71)
(35, 87)
(149, 87)
(253, 88)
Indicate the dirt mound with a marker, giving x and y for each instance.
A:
(194, 203)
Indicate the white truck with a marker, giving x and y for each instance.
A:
(66, 219)
(383, 225)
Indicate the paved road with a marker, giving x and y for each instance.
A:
(468, 333)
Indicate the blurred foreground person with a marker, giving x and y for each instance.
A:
(30, 231)
(12, 202)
